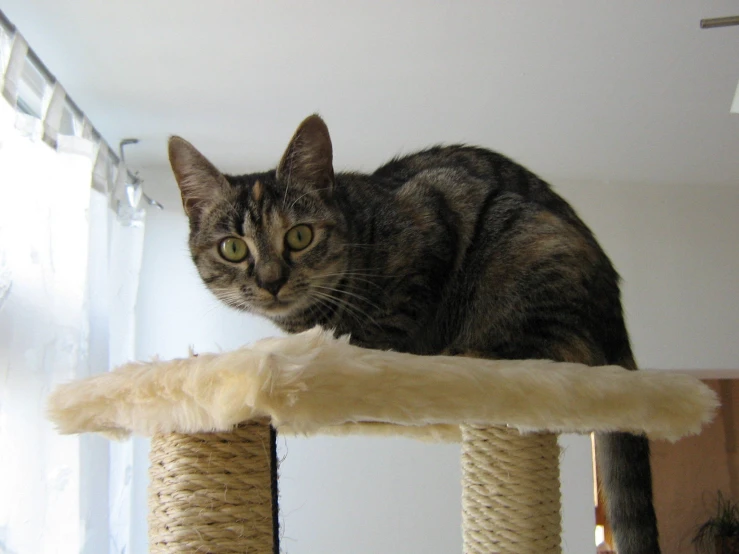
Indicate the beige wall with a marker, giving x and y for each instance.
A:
(687, 474)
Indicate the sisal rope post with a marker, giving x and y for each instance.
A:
(510, 491)
(214, 493)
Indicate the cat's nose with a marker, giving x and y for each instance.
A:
(272, 287)
(271, 277)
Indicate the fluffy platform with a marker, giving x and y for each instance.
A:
(310, 383)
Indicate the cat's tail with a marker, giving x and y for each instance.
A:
(626, 478)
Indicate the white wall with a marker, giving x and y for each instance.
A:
(677, 250)
(674, 246)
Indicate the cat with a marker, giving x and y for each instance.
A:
(452, 250)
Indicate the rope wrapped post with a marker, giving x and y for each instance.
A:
(214, 493)
(510, 491)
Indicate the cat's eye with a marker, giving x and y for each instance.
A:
(299, 237)
(233, 249)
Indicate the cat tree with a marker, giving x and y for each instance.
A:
(213, 419)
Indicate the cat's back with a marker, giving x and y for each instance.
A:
(473, 162)
(482, 175)
(520, 250)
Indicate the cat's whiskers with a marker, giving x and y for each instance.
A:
(359, 297)
(354, 282)
(350, 309)
(354, 277)
(211, 308)
(365, 272)
(233, 298)
(321, 302)
(343, 291)
(352, 273)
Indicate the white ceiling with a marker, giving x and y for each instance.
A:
(583, 90)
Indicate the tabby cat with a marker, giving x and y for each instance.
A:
(452, 250)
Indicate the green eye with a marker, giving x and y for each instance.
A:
(299, 237)
(233, 249)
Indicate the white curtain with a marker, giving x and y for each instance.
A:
(71, 240)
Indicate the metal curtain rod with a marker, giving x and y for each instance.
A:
(720, 22)
(49, 77)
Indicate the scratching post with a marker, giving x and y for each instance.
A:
(214, 492)
(213, 462)
(510, 491)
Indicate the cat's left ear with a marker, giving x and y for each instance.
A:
(308, 160)
(199, 180)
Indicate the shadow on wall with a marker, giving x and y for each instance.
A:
(675, 248)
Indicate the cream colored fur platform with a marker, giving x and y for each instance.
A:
(311, 382)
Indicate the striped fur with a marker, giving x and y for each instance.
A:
(454, 249)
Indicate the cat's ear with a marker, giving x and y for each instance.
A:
(308, 159)
(199, 181)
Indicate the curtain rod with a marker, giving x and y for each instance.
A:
(719, 22)
(31, 55)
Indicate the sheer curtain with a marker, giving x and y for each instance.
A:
(71, 241)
